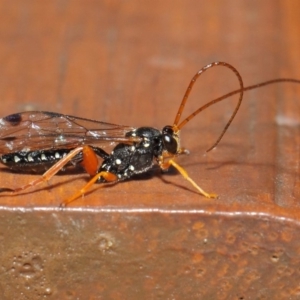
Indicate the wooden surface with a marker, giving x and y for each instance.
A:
(129, 62)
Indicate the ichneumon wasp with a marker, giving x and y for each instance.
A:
(39, 140)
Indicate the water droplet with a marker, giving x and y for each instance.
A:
(48, 291)
(37, 262)
(27, 270)
(105, 243)
(274, 258)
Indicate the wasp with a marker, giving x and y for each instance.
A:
(38, 140)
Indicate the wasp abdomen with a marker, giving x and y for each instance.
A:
(35, 160)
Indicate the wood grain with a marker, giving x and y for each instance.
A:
(129, 62)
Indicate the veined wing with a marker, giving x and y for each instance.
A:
(37, 130)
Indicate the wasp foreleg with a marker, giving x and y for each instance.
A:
(183, 172)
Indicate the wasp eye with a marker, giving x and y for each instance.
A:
(169, 141)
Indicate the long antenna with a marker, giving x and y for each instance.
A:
(258, 85)
(187, 93)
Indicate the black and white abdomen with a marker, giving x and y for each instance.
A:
(35, 161)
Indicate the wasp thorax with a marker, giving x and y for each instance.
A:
(170, 139)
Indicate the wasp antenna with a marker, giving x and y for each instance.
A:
(254, 86)
(189, 88)
(183, 102)
(258, 85)
(261, 84)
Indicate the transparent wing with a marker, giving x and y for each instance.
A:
(37, 130)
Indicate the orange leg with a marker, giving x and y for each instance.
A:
(182, 171)
(110, 177)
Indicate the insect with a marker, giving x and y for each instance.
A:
(37, 140)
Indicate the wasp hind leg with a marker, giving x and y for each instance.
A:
(183, 172)
(90, 164)
(109, 177)
(48, 174)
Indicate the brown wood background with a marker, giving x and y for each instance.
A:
(129, 62)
